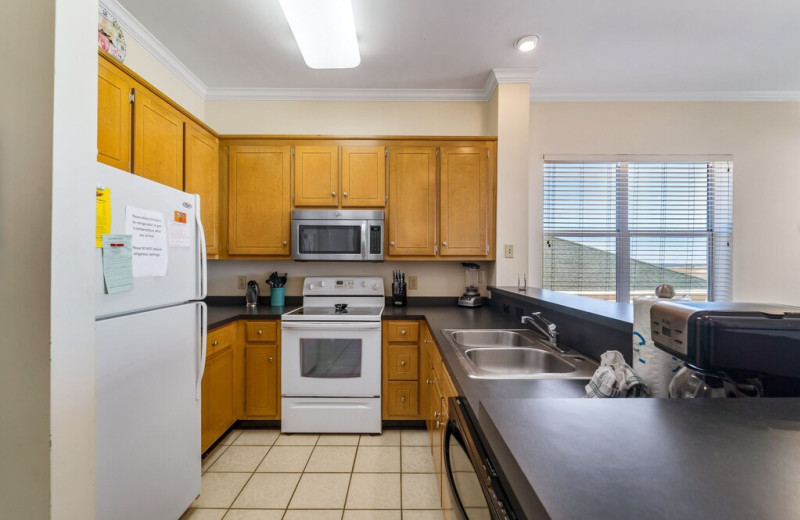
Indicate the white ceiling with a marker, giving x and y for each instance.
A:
(589, 49)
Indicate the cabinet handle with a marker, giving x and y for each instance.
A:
(391, 243)
(284, 242)
(259, 332)
(437, 414)
(403, 399)
(426, 341)
(214, 343)
(333, 194)
(428, 382)
(269, 359)
(403, 332)
(439, 424)
(344, 194)
(402, 363)
(444, 244)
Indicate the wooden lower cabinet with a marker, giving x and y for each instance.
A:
(218, 388)
(261, 380)
(401, 371)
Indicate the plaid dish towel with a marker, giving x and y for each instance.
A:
(615, 378)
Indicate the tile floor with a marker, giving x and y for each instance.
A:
(263, 475)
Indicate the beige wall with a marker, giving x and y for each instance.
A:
(26, 138)
(157, 74)
(347, 117)
(764, 139)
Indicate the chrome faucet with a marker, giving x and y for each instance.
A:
(547, 328)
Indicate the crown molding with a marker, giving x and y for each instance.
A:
(765, 95)
(498, 76)
(344, 94)
(146, 39)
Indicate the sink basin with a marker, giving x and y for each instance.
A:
(519, 360)
(478, 338)
(514, 354)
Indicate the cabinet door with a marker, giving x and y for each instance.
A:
(201, 153)
(113, 116)
(258, 205)
(363, 177)
(412, 201)
(316, 176)
(157, 139)
(217, 406)
(261, 380)
(464, 201)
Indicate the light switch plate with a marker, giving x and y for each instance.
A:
(242, 282)
(412, 283)
(509, 250)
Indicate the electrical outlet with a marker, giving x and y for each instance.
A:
(412, 283)
(509, 250)
(242, 282)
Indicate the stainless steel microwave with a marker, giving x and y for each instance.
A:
(337, 235)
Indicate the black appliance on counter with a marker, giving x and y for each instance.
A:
(730, 349)
(469, 466)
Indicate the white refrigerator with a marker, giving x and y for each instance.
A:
(150, 356)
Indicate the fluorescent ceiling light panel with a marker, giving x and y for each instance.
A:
(325, 32)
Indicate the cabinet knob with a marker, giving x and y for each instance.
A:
(444, 244)
(402, 363)
(391, 243)
(426, 341)
(259, 332)
(284, 242)
(437, 414)
(344, 194)
(270, 359)
(214, 343)
(428, 382)
(439, 424)
(403, 399)
(333, 194)
(403, 332)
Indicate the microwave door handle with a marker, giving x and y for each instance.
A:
(451, 432)
(364, 246)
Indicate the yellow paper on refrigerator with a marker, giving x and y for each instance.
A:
(103, 218)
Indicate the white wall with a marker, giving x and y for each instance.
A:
(72, 350)
(26, 137)
(764, 139)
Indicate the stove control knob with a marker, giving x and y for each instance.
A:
(322, 284)
(375, 286)
(363, 283)
(310, 285)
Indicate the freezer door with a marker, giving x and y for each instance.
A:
(148, 412)
(186, 266)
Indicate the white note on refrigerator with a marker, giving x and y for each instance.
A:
(149, 241)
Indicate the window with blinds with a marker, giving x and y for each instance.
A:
(616, 229)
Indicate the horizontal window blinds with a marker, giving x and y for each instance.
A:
(617, 229)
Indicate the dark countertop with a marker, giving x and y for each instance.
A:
(652, 458)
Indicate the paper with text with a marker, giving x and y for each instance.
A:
(179, 235)
(117, 263)
(149, 241)
(103, 210)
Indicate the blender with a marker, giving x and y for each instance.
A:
(471, 297)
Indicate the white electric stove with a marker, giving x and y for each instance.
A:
(331, 357)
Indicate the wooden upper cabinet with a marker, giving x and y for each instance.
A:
(412, 201)
(201, 157)
(259, 200)
(113, 116)
(316, 176)
(464, 201)
(363, 177)
(157, 139)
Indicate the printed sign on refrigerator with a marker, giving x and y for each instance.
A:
(149, 241)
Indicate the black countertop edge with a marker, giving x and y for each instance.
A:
(612, 314)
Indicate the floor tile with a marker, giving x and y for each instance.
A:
(377, 459)
(296, 439)
(267, 491)
(387, 438)
(321, 491)
(338, 439)
(257, 438)
(285, 459)
(416, 459)
(420, 491)
(212, 457)
(420, 514)
(219, 489)
(374, 491)
(240, 459)
(254, 514)
(371, 514)
(232, 436)
(414, 438)
(331, 459)
(315, 514)
(203, 514)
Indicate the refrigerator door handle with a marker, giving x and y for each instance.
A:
(202, 281)
(201, 362)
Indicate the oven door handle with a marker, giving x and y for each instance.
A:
(452, 432)
(334, 326)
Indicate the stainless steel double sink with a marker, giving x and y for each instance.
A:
(514, 354)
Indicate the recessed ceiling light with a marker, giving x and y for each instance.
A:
(325, 32)
(526, 43)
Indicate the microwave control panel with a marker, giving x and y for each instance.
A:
(375, 240)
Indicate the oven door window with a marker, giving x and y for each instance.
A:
(330, 239)
(330, 358)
